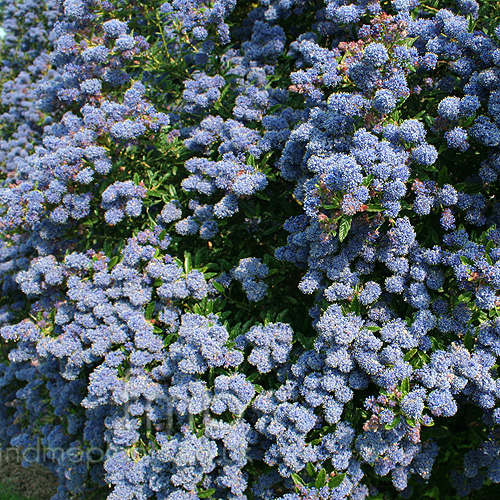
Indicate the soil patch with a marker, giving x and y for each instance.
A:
(35, 482)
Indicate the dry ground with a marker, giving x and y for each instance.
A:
(34, 482)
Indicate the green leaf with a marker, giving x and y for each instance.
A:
(148, 314)
(440, 432)
(392, 424)
(408, 41)
(472, 22)
(464, 297)
(368, 180)
(356, 305)
(489, 246)
(247, 325)
(253, 376)
(411, 422)
(336, 481)
(206, 493)
(410, 354)
(424, 357)
(344, 227)
(443, 176)
(262, 196)
(218, 287)
(304, 341)
(188, 262)
(321, 479)
(435, 492)
(210, 307)
(405, 386)
(113, 261)
(311, 471)
(297, 480)
(375, 208)
(466, 260)
(468, 341)
(251, 160)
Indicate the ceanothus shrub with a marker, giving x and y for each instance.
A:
(251, 250)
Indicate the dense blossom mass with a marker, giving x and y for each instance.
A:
(251, 250)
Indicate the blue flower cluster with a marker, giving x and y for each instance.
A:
(250, 272)
(122, 198)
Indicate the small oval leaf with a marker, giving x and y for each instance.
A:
(321, 479)
(336, 480)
